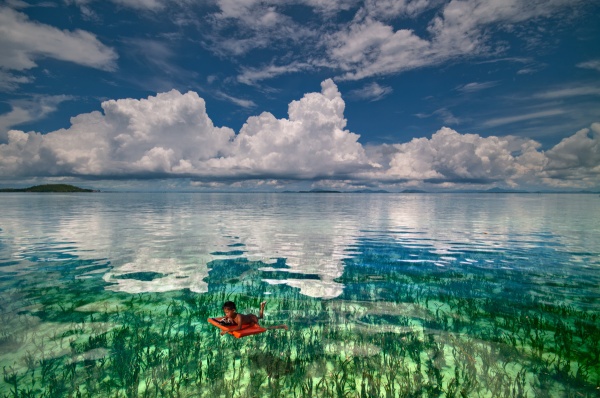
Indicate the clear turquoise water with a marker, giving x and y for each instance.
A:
(385, 294)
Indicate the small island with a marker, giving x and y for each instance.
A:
(48, 188)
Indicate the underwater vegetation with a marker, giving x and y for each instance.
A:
(397, 331)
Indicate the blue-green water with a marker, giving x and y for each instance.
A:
(386, 295)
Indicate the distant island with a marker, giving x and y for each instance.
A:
(413, 191)
(320, 191)
(48, 188)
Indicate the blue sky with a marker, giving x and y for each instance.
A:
(300, 94)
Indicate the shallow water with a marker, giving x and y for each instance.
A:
(385, 294)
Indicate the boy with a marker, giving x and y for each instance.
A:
(233, 318)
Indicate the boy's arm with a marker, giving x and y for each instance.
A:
(238, 320)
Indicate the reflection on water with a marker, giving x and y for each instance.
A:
(486, 295)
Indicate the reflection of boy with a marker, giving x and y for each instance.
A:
(233, 318)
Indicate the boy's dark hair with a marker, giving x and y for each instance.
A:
(230, 305)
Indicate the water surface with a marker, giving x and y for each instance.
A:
(385, 294)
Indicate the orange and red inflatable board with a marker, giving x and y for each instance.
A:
(246, 330)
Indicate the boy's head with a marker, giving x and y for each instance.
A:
(229, 306)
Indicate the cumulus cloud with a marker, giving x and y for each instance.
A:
(158, 135)
(450, 156)
(22, 41)
(575, 158)
(311, 143)
(171, 135)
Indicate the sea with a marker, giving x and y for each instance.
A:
(383, 294)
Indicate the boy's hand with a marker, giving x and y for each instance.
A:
(223, 332)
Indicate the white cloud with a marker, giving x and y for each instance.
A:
(446, 116)
(576, 158)
(251, 76)
(327, 7)
(244, 25)
(388, 9)
(371, 92)
(237, 8)
(10, 81)
(150, 5)
(519, 118)
(450, 156)
(474, 87)
(22, 42)
(17, 4)
(246, 9)
(172, 134)
(163, 134)
(593, 64)
(244, 103)
(527, 71)
(141, 4)
(569, 92)
(370, 47)
(375, 42)
(311, 143)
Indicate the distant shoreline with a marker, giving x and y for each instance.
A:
(66, 188)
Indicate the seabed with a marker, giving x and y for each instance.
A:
(395, 332)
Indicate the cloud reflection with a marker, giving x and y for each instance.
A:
(165, 242)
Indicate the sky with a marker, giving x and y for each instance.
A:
(274, 95)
